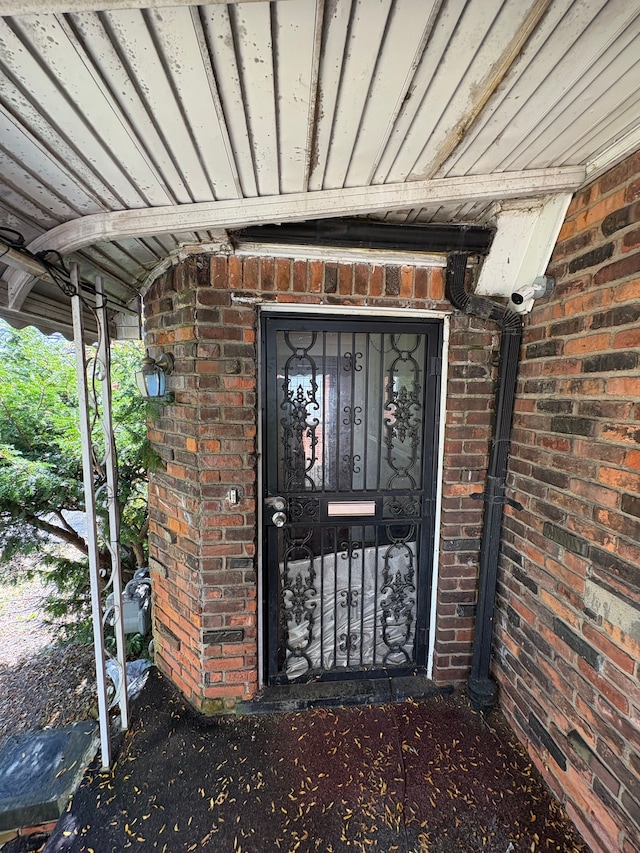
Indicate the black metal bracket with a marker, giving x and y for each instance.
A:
(368, 234)
(497, 499)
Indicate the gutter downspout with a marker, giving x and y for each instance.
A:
(482, 689)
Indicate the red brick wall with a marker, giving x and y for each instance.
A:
(203, 550)
(568, 632)
(473, 350)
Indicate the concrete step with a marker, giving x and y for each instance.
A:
(341, 693)
(40, 771)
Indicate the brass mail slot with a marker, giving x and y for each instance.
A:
(335, 508)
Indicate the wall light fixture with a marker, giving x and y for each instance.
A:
(151, 379)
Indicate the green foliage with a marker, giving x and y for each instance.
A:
(41, 463)
(136, 646)
(67, 606)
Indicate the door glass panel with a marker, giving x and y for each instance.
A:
(349, 411)
(349, 597)
(403, 412)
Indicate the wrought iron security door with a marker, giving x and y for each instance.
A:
(349, 429)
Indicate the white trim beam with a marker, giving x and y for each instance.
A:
(19, 261)
(344, 253)
(613, 154)
(294, 207)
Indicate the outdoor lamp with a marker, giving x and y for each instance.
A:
(151, 379)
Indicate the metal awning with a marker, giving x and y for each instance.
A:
(132, 131)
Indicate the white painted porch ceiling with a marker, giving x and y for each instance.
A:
(232, 108)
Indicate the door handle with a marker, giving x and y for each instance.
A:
(276, 503)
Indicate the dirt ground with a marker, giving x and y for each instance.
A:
(22, 628)
(430, 777)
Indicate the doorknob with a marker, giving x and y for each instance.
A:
(279, 519)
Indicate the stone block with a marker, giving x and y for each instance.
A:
(40, 771)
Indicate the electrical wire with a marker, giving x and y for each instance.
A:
(55, 266)
(56, 270)
(13, 243)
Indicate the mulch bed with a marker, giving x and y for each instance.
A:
(42, 683)
(51, 687)
(430, 777)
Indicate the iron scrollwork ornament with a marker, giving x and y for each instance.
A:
(398, 604)
(299, 425)
(403, 421)
(298, 591)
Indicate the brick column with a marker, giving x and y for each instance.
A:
(202, 545)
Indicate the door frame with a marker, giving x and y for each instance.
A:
(364, 313)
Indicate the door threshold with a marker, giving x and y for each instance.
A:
(339, 694)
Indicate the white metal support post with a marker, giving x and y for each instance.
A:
(111, 467)
(90, 508)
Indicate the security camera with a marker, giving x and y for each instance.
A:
(542, 286)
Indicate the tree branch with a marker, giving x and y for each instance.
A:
(68, 536)
(63, 521)
(138, 548)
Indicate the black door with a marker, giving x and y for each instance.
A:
(349, 449)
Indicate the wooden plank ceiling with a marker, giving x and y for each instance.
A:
(220, 115)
